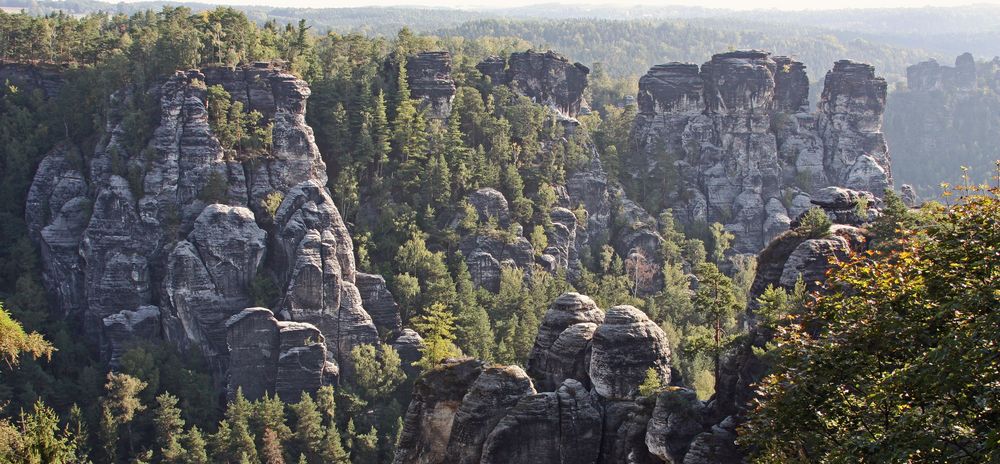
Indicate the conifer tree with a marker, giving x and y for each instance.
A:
(437, 327)
(473, 333)
(169, 428)
(194, 447)
(309, 430)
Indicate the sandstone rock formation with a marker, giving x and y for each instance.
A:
(126, 326)
(944, 118)
(165, 241)
(738, 146)
(624, 348)
(379, 302)
(27, 77)
(586, 366)
(562, 346)
(268, 356)
(929, 75)
(429, 77)
(547, 78)
(494, 414)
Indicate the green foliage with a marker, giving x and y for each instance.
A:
(651, 384)
(14, 341)
(169, 428)
(215, 189)
(437, 326)
(720, 241)
(264, 291)
(814, 224)
(271, 202)
(36, 439)
(377, 370)
(895, 362)
(234, 128)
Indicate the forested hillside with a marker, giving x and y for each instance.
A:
(230, 239)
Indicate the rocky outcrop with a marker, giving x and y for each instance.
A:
(379, 302)
(624, 348)
(178, 226)
(500, 418)
(491, 396)
(610, 422)
(929, 75)
(429, 77)
(269, 357)
(611, 217)
(547, 78)
(408, 344)
(437, 396)
(208, 276)
(498, 244)
(29, 77)
(125, 327)
(562, 346)
(738, 146)
(944, 118)
(850, 123)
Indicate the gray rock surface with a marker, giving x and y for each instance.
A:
(429, 76)
(489, 399)
(268, 356)
(127, 327)
(737, 137)
(562, 346)
(179, 223)
(407, 343)
(546, 77)
(624, 347)
(378, 302)
(427, 425)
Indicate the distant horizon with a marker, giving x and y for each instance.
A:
(762, 5)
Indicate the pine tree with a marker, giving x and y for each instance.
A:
(326, 403)
(271, 450)
(716, 299)
(381, 135)
(309, 430)
(332, 450)
(473, 333)
(269, 414)
(169, 428)
(118, 408)
(240, 440)
(438, 329)
(194, 447)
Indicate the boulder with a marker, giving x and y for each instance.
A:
(624, 348)
(562, 346)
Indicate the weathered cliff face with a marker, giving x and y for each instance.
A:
(497, 414)
(929, 75)
(733, 142)
(429, 77)
(945, 117)
(29, 77)
(166, 241)
(547, 78)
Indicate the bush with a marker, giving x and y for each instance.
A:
(814, 224)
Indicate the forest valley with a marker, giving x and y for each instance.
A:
(196, 266)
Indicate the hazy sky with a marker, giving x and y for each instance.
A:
(732, 4)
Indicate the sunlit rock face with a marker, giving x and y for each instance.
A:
(737, 143)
